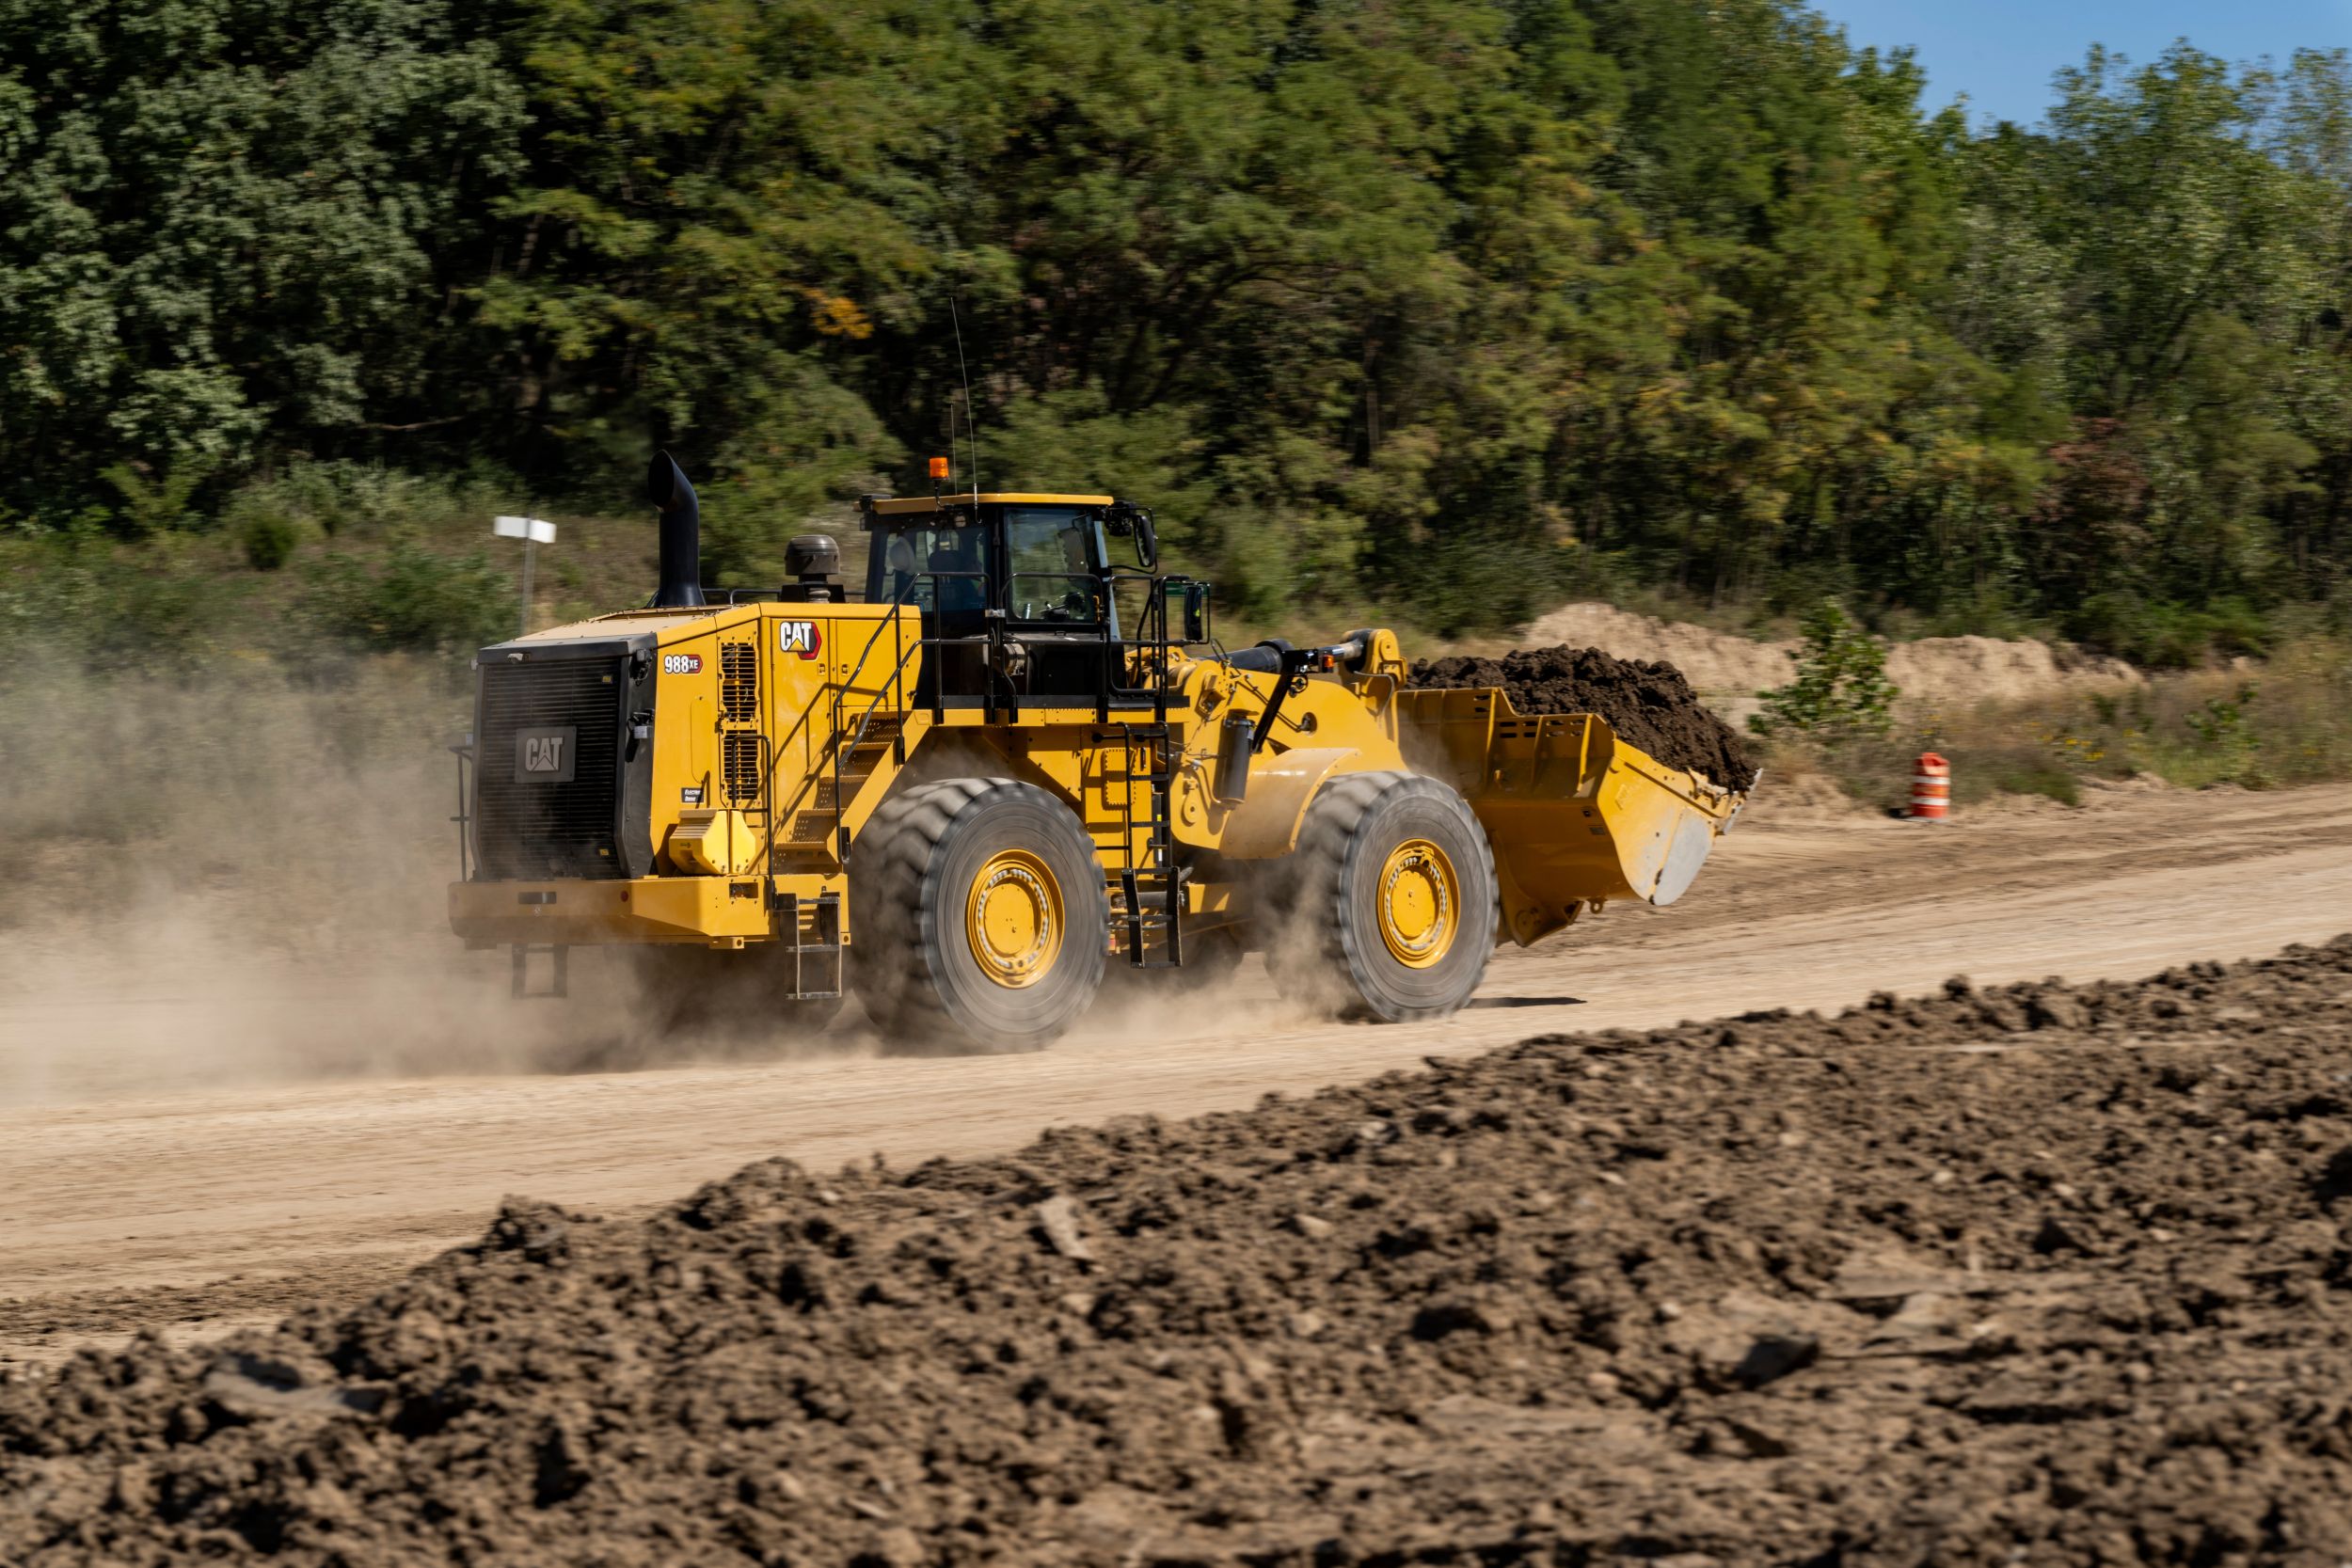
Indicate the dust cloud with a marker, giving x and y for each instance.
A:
(241, 877)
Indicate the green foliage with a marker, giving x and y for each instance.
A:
(812, 443)
(413, 599)
(267, 536)
(82, 594)
(233, 227)
(1453, 305)
(152, 505)
(2169, 635)
(1842, 687)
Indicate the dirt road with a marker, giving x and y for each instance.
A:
(124, 1206)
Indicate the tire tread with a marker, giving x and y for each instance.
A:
(896, 924)
(1326, 842)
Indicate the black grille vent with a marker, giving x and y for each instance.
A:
(557, 826)
(739, 683)
(740, 764)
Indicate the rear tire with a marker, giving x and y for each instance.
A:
(1389, 900)
(979, 917)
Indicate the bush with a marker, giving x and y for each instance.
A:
(153, 503)
(415, 600)
(2159, 635)
(267, 536)
(159, 605)
(1842, 687)
(343, 497)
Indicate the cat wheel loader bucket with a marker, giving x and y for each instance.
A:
(1576, 815)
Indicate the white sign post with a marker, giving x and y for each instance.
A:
(533, 532)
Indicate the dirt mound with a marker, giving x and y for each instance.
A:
(1804, 799)
(1932, 672)
(1649, 706)
(1962, 672)
(2044, 1272)
(1720, 663)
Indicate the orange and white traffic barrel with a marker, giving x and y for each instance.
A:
(1931, 789)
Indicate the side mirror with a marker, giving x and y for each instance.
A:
(1124, 519)
(1196, 613)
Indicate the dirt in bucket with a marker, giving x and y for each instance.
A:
(1649, 706)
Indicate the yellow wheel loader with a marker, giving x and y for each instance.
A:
(1012, 761)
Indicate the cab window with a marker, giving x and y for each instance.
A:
(1053, 554)
(906, 560)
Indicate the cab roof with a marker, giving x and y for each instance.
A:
(889, 507)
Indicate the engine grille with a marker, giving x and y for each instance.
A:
(562, 826)
(739, 683)
(740, 765)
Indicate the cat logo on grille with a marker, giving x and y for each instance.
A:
(543, 755)
(799, 637)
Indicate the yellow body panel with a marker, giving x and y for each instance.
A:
(710, 910)
(715, 842)
(1265, 823)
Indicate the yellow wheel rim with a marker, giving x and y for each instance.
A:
(1421, 904)
(1013, 919)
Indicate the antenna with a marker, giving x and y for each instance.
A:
(971, 431)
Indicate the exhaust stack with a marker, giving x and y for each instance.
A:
(681, 534)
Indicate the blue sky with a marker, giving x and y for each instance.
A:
(2001, 53)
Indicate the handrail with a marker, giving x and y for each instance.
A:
(896, 683)
(1156, 651)
(773, 813)
(465, 752)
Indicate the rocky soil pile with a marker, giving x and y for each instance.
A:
(1649, 706)
(2043, 1273)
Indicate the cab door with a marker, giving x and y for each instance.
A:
(1057, 604)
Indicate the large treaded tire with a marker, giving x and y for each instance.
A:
(1327, 943)
(911, 871)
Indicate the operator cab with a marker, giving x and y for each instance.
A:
(1016, 591)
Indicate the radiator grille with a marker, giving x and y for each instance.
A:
(740, 765)
(550, 828)
(739, 683)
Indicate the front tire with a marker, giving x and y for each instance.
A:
(978, 916)
(1391, 900)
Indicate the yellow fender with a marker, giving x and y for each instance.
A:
(1265, 825)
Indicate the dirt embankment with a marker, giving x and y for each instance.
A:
(1649, 704)
(2046, 1273)
(1930, 671)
